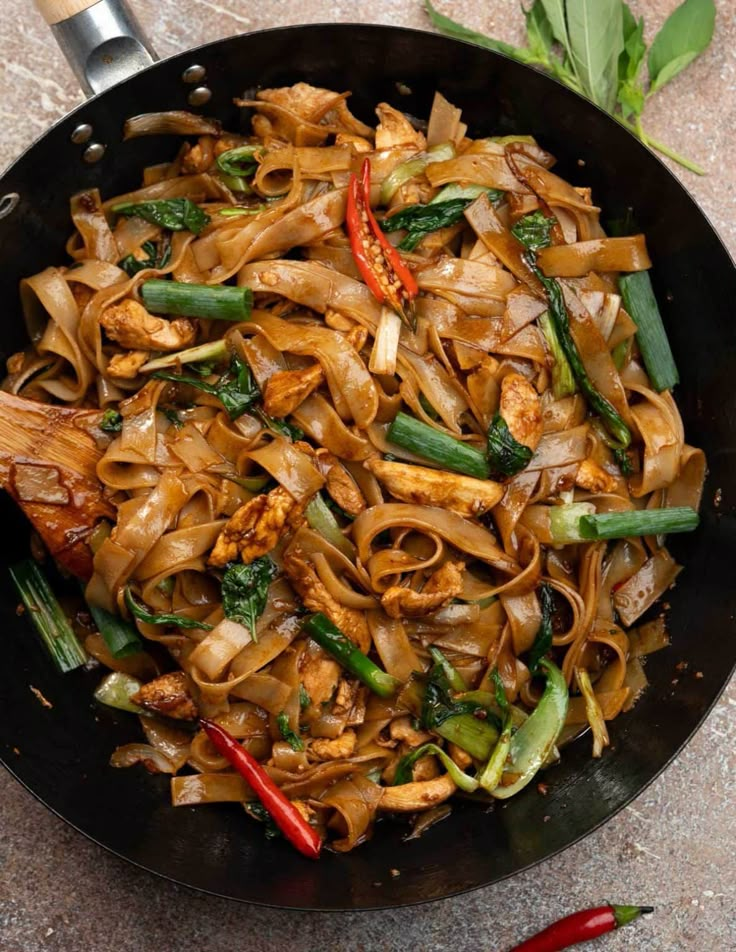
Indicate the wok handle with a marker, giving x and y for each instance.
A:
(101, 39)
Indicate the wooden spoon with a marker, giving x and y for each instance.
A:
(48, 464)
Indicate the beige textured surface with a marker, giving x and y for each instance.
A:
(674, 846)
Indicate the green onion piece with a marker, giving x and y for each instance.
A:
(334, 642)
(459, 777)
(291, 737)
(506, 455)
(641, 304)
(240, 161)
(564, 521)
(638, 522)
(475, 736)
(116, 690)
(532, 744)
(214, 350)
(321, 518)
(218, 302)
(618, 354)
(415, 166)
(454, 678)
(112, 421)
(119, 635)
(470, 192)
(437, 447)
(142, 614)
(491, 775)
(563, 380)
(543, 638)
(237, 211)
(304, 698)
(46, 614)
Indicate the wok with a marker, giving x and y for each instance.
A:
(61, 754)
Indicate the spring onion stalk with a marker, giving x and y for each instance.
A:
(641, 304)
(236, 212)
(454, 678)
(322, 519)
(218, 302)
(563, 380)
(119, 635)
(214, 350)
(404, 768)
(335, 643)
(475, 736)
(638, 522)
(618, 354)
(532, 744)
(149, 618)
(46, 614)
(240, 161)
(490, 776)
(437, 447)
(593, 712)
(564, 521)
(468, 192)
(415, 166)
(116, 690)
(386, 343)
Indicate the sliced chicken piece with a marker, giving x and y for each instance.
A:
(461, 757)
(410, 797)
(344, 697)
(357, 142)
(168, 695)
(340, 485)
(199, 157)
(426, 768)
(126, 366)
(594, 478)
(439, 590)
(394, 129)
(521, 408)
(287, 389)
(337, 749)
(320, 676)
(432, 487)
(130, 324)
(401, 729)
(316, 598)
(227, 142)
(255, 528)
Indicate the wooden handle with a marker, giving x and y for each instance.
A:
(56, 11)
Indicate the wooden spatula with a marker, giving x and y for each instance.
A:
(48, 459)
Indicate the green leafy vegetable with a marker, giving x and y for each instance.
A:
(438, 703)
(563, 379)
(132, 265)
(454, 678)
(304, 698)
(534, 231)
(236, 389)
(543, 639)
(143, 614)
(505, 454)
(111, 422)
(499, 691)
(240, 162)
(597, 48)
(256, 810)
(245, 591)
(290, 736)
(172, 416)
(686, 33)
(119, 635)
(445, 209)
(176, 214)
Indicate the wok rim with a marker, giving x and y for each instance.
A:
(727, 674)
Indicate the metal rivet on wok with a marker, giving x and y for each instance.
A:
(82, 134)
(94, 152)
(194, 74)
(199, 96)
(8, 204)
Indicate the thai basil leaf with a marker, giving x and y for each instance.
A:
(304, 698)
(236, 389)
(499, 691)
(172, 416)
(555, 10)
(241, 161)
(630, 93)
(539, 31)
(421, 220)
(176, 214)
(245, 591)
(595, 29)
(132, 265)
(506, 455)
(111, 422)
(543, 639)
(438, 703)
(460, 32)
(291, 738)
(258, 812)
(534, 231)
(686, 33)
(155, 618)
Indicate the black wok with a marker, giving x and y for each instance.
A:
(61, 754)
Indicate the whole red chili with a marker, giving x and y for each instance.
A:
(379, 263)
(581, 927)
(285, 815)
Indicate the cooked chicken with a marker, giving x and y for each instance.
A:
(342, 746)
(316, 598)
(357, 142)
(198, 158)
(344, 698)
(401, 729)
(126, 366)
(130, 324)
(314, 105)
(340, 485)
(320, 676)
(521, 408)
(168, 695)
(409, 797)
(227, 142)
(287, 389)
(255, 528)
(433, 487)
(426, 768)
(594, 478)
(439, 590)
(394, 129)
(461, 757)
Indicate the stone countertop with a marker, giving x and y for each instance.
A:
(675, 846)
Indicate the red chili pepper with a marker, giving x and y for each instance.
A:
(379, 263)
(285, 815)
(581, 927)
